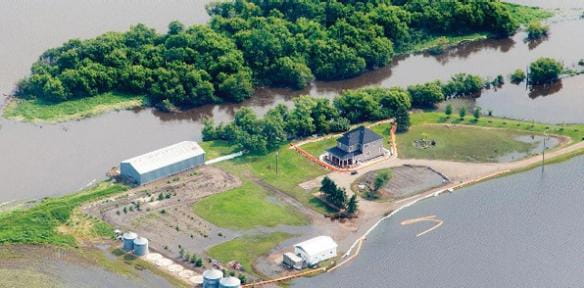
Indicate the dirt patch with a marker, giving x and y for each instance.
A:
(405, 181)
(162, 211)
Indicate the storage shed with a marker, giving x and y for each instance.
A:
(163, 162)
(317, 249)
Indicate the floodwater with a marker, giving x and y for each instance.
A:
(523, 230)
(64, 268)
(45, 160)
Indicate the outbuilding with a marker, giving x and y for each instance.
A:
(163, 162)
(317, 249)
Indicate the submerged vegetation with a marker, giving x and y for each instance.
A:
(252, 42)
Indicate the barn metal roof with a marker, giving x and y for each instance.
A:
(165, 156)
(317, 245)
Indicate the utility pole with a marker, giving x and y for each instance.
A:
(277, 154)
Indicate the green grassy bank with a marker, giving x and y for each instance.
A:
(39, 224)
(39, 111)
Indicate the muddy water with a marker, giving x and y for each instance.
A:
(523, 230)
(44, 160)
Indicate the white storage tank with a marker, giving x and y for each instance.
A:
(140, 246)
(128, 241)
(229, 282)
(211, 278)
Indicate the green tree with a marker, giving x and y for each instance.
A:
(353, 205)
(462, 113)
(544, 70)
(448, 110)
(476, 114)
(381, 180)
(426, 95)
(536, 30)
(517, 76)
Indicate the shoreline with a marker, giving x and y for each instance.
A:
(561, 154)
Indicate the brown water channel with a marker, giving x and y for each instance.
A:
(44, 160)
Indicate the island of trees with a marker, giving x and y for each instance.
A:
(252, 42)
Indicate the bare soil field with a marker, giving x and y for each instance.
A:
(405, 181)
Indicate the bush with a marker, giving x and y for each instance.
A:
(536, 30)
(463, 84)
(544, 70)
(426, 95)
(517, 76)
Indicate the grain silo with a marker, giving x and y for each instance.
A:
(128, 241)
(211, 278)
(229, 282)
(163, 162)
(140, 246)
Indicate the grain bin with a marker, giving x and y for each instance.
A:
(140, 246)
(229, 282)
(128, 240)
(211, 278)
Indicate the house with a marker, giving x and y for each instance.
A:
(315, 250)
(163, 162)
(356, 146)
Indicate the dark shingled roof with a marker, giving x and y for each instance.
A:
(359, 135)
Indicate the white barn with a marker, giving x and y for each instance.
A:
(163, 162)
(317, 249)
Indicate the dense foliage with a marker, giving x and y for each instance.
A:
(426, 95)
(311, 116)
(544, 70)
(254, 42)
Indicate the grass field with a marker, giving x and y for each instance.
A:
(247, 249)
(293, 169)
(247, 207)
(39, 111)
(573, 131)
(460, 143)
(39, 224)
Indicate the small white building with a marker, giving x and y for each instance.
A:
(317, 249)
(163, 162)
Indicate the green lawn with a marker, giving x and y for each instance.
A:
(38, 225)
(247, 249)
(39, 111)
(24, 278)
(319, 147)
(217, 148)
(293, 169)
(460, 143)
(573, 131)
(247, 207)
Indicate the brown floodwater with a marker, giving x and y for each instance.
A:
(46, 160)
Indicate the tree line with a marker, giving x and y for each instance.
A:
(309, 115)
(253, 42)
